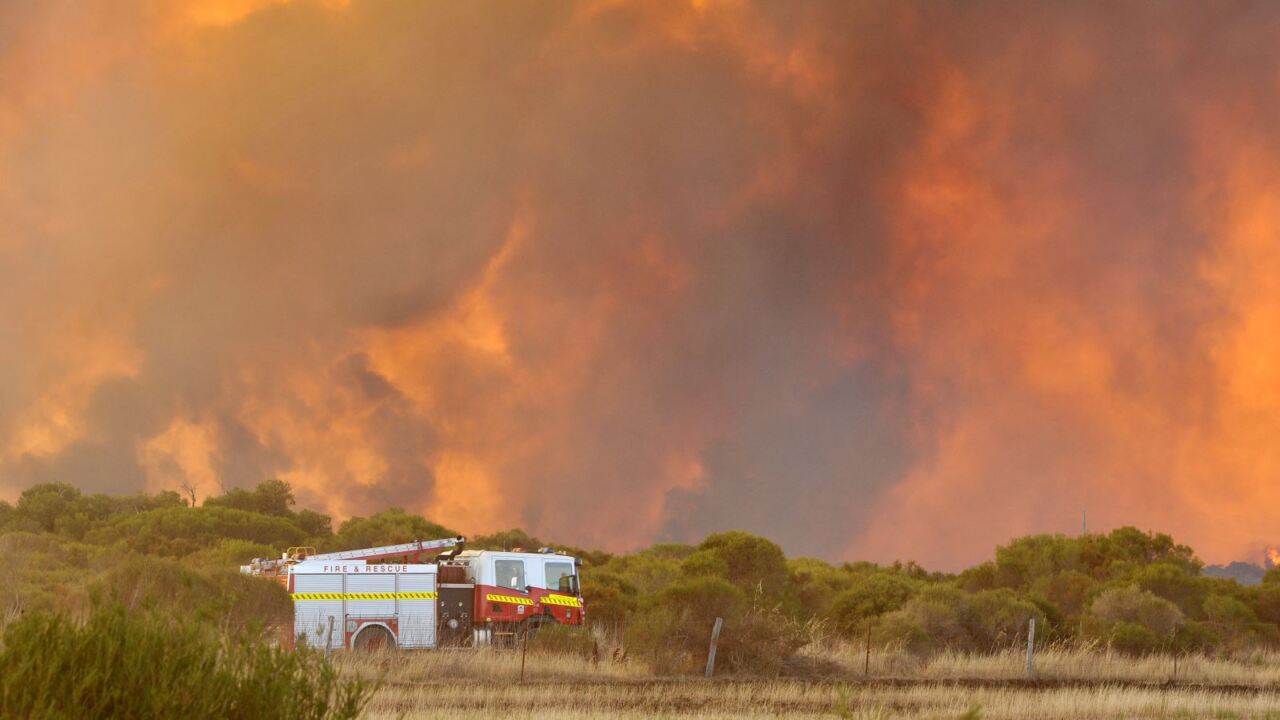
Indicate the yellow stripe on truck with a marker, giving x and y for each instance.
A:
(513, 599)
(566, 600)
(366, 596)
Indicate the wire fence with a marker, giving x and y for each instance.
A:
(1242, 652)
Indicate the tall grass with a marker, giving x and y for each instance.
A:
(122, 664)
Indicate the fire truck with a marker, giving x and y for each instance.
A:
(386, 597)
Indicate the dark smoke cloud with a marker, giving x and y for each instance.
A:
(894, 280)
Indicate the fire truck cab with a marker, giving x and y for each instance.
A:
(488, 597)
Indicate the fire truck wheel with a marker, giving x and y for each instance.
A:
(373, 638)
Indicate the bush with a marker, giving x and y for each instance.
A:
(675, 625)
(610, 598)
(754, 564)
(1131, 638)
(389, 527)
(871, 595)
(232, 554)
(999, 618)
(938, 614)
(217, 597)
(123, 665)
(180, 531)
(760, 642)
(1141, 607)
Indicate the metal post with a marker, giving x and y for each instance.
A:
(1031, 650)
(524, 650)
(866, 658)
(711, 652)
(328, 639)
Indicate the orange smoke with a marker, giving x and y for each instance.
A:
(895, 281)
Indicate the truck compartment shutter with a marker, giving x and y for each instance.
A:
(323, 601)
(417, 610)
(371, 595)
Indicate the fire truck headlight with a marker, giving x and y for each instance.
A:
(453, 623)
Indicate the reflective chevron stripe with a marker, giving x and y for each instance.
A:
(566, 600)
(512, 599)
(366, 596)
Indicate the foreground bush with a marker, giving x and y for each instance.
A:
(119, 664)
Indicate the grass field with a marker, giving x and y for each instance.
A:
(800, 699)
(1079, 683)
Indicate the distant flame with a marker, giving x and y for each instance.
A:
(1272, 557)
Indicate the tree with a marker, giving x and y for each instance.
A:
(507, 540)
(180, 531)
(870, 596)
(1132, 604)
(1173, 583)
(270, 497)
(314, 524)
(1068, 591)
(610, 597)
(47, 503)
(816, 585)
(1025, 559)
(754, 564)
(389, 527)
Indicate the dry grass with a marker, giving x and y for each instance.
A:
(1078, 683)
(1061, 663)
(795, 699)
(487, 664)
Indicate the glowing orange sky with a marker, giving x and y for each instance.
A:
(879, 281)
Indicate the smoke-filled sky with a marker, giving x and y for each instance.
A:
(877, 280)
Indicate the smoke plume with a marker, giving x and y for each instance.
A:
(878, 280)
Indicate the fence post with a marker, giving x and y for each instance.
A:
(1031, 650)
(524, 650)
(711, 652)
(866, 658)
(328, 639)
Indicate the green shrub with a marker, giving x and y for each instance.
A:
(610, 599)
(232, 553)
(181, 531)
(219, 597)
(759, 642)
(1131, 638)
(755, 564)
(126, 665)
(389, 527)
(870, 596)
(1133, 605)
(675, 625)
(556, 639)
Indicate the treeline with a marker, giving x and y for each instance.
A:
(1130, 590)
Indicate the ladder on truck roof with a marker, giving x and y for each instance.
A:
(386, 551)
(294, 555)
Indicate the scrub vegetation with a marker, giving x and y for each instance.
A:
(147, 664)
(1127, 607)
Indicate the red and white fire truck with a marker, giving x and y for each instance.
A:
(387, 597)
